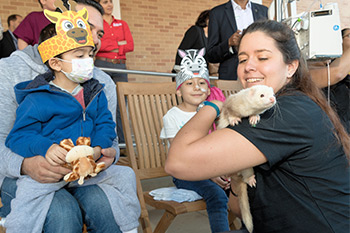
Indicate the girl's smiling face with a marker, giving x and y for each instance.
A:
(194, 91)
(261, 62)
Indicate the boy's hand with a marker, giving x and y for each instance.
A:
(97, 152)
(56, 155)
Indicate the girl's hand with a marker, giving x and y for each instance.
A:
(56, 155)
(223, 181)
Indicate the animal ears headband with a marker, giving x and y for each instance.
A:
(72, 28)
(193, 65)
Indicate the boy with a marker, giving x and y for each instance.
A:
(64, 103)
(192, 84)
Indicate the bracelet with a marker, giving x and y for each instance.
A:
(233, 193)
(214, 106)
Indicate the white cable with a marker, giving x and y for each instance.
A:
(328, 83)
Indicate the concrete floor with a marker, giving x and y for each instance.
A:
(196, 222)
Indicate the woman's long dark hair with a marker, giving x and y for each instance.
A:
(202, 19)
(301, 80)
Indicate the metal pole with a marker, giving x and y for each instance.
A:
(141, 72)
(137, 72)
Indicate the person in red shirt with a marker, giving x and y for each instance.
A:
(115, 43)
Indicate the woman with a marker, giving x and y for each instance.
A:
(115, 43)
(196, 37)
(298, 150)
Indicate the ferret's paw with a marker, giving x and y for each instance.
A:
(253, 120)
(251, 181)
(234, 120)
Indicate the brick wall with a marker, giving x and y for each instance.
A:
(21, 7)
(158, 26)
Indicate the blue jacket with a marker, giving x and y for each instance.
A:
(46, 115)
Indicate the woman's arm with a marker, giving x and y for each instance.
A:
(339, 68)
(21, 44)
(126, 45)
(194, 155)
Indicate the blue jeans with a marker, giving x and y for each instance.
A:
(237, 231)
(215, 199)
(70, 208)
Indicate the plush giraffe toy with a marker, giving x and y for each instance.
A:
(80, 159)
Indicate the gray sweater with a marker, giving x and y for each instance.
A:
(21, 66)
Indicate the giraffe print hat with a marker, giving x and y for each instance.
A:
(72, 28)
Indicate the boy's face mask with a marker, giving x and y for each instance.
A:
(82, 70)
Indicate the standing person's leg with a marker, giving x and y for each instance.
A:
(119, 77)
(96, 210)
(215, 199)
(116, 77)
(237, 231)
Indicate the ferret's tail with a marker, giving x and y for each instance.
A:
(245, 208)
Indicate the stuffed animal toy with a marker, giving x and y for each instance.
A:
(80, 159)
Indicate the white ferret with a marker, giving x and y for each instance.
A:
(249, 102)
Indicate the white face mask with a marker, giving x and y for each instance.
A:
(82, 70)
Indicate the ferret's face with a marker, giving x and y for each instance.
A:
(194, 91)
(260, 62)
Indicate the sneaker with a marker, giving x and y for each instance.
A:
(2, 222)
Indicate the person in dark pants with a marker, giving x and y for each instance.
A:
(115, 43)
